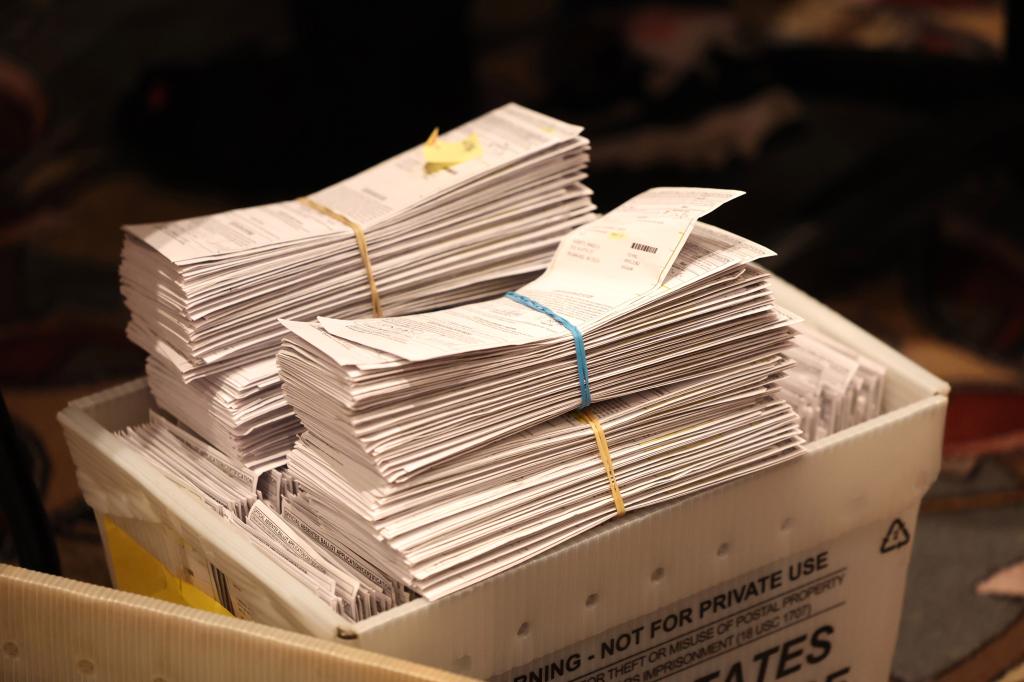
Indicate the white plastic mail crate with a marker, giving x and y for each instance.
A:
(795, 573)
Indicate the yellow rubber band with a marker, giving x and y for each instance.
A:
(360, 241)
(587, 417)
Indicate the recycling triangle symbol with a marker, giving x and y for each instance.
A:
(896, 537)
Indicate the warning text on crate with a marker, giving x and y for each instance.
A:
(771, 625)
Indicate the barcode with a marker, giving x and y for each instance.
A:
(644, 247)
(220, 583)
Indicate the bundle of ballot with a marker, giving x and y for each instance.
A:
(445, 447)
(831, 387)
(466, 216)
(250, 500)
(243, 412)
(500, 504)
(623, 307)
(186, 459)
(355, 594)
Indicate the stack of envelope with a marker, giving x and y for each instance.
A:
(351, 593)
(467, 216)
(250, 499)
(831, 387)
(502, 503)
(406, 393)
(243, 413)
(445, 447)
(193, 464)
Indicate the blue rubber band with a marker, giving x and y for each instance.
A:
(577, 341)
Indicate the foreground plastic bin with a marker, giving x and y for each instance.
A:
(799, 570)
(58, 629)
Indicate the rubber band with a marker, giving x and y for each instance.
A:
(587, 417)
(577, 341)
(360, 242)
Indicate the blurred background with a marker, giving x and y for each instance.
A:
(878, 142)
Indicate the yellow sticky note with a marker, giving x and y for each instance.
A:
(438, 153)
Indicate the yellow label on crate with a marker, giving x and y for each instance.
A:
(136, 570)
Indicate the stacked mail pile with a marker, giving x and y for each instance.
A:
(467, 216)
(831, 387)
(479, 514)
(441, 448)
(220, 481)
(244, 408)
(250, 501)
(353, 593)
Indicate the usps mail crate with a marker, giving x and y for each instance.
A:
(799, 570)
